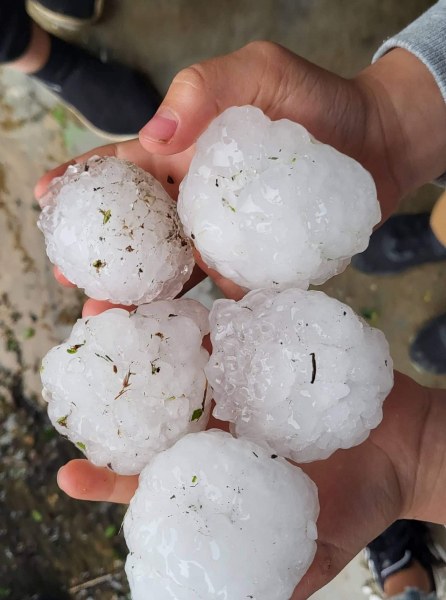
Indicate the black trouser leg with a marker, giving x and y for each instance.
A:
(15, 30)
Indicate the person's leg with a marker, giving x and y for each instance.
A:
(401, 561)
(114, 99)
(402, 242)
(414, 594)
(428, 349)
(438, 219)
(415, 578)
(406, 241)
(64, 15)
(15, 30)
(36, 54)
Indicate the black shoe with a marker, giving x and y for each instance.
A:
(113, 99)
(397, 548)
(428, 350)
(68, 15)
(403, 241)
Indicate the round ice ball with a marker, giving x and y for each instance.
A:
(268, 206)
(113, 230)
(217, 517)
(125, 386)
(298, 369)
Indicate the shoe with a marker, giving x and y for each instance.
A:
(428, 349)
(397, 548)
(403, 241)
(112, 99)
(64, 15)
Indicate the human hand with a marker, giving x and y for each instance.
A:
(393, 125)
(363, 118)
(391, 117)
(398, 472)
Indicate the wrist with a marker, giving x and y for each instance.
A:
(407, 118)
(427, 498)
(411, 435)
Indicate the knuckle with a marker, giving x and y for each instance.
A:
(266, 49)
(193, 76)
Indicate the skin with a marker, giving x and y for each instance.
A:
(37, 53)
(392, 119)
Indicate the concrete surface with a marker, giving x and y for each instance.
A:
(36, 133)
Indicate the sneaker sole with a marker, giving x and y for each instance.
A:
(55, 22)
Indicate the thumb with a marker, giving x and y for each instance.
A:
(263, 74)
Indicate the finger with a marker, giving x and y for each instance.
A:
(60, 277)
(217, 424)
(83, 481)
(96, 307)
(262, 74)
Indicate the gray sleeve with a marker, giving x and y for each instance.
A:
(426, 39)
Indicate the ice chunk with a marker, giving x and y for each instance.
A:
(113, 230)
(298, 369)
(215, 517)
(269, 207)
(126, 386)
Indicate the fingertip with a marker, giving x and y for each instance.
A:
(81, 480)
(161, 128)
(68, 479)
(60, 278)
(186, 111)
(60, 477)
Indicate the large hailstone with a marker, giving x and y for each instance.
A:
(113, 230)
(126, 386)
(268, 206)
(219, 518)
(298, 369)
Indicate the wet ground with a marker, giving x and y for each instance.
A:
(47, 541)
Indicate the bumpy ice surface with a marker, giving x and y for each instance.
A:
(113, 230)
(126, 386)
(269, 207)
(298, 369)
(218, 518)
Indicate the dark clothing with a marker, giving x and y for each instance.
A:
(15, 30)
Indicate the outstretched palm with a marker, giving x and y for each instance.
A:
(361, 490)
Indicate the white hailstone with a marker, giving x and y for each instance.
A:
(216, 517)
(268, 206)
(298, 369)
(114, 231)
(125, 386)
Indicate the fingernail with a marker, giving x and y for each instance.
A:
(58, 474)
(161, 127)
